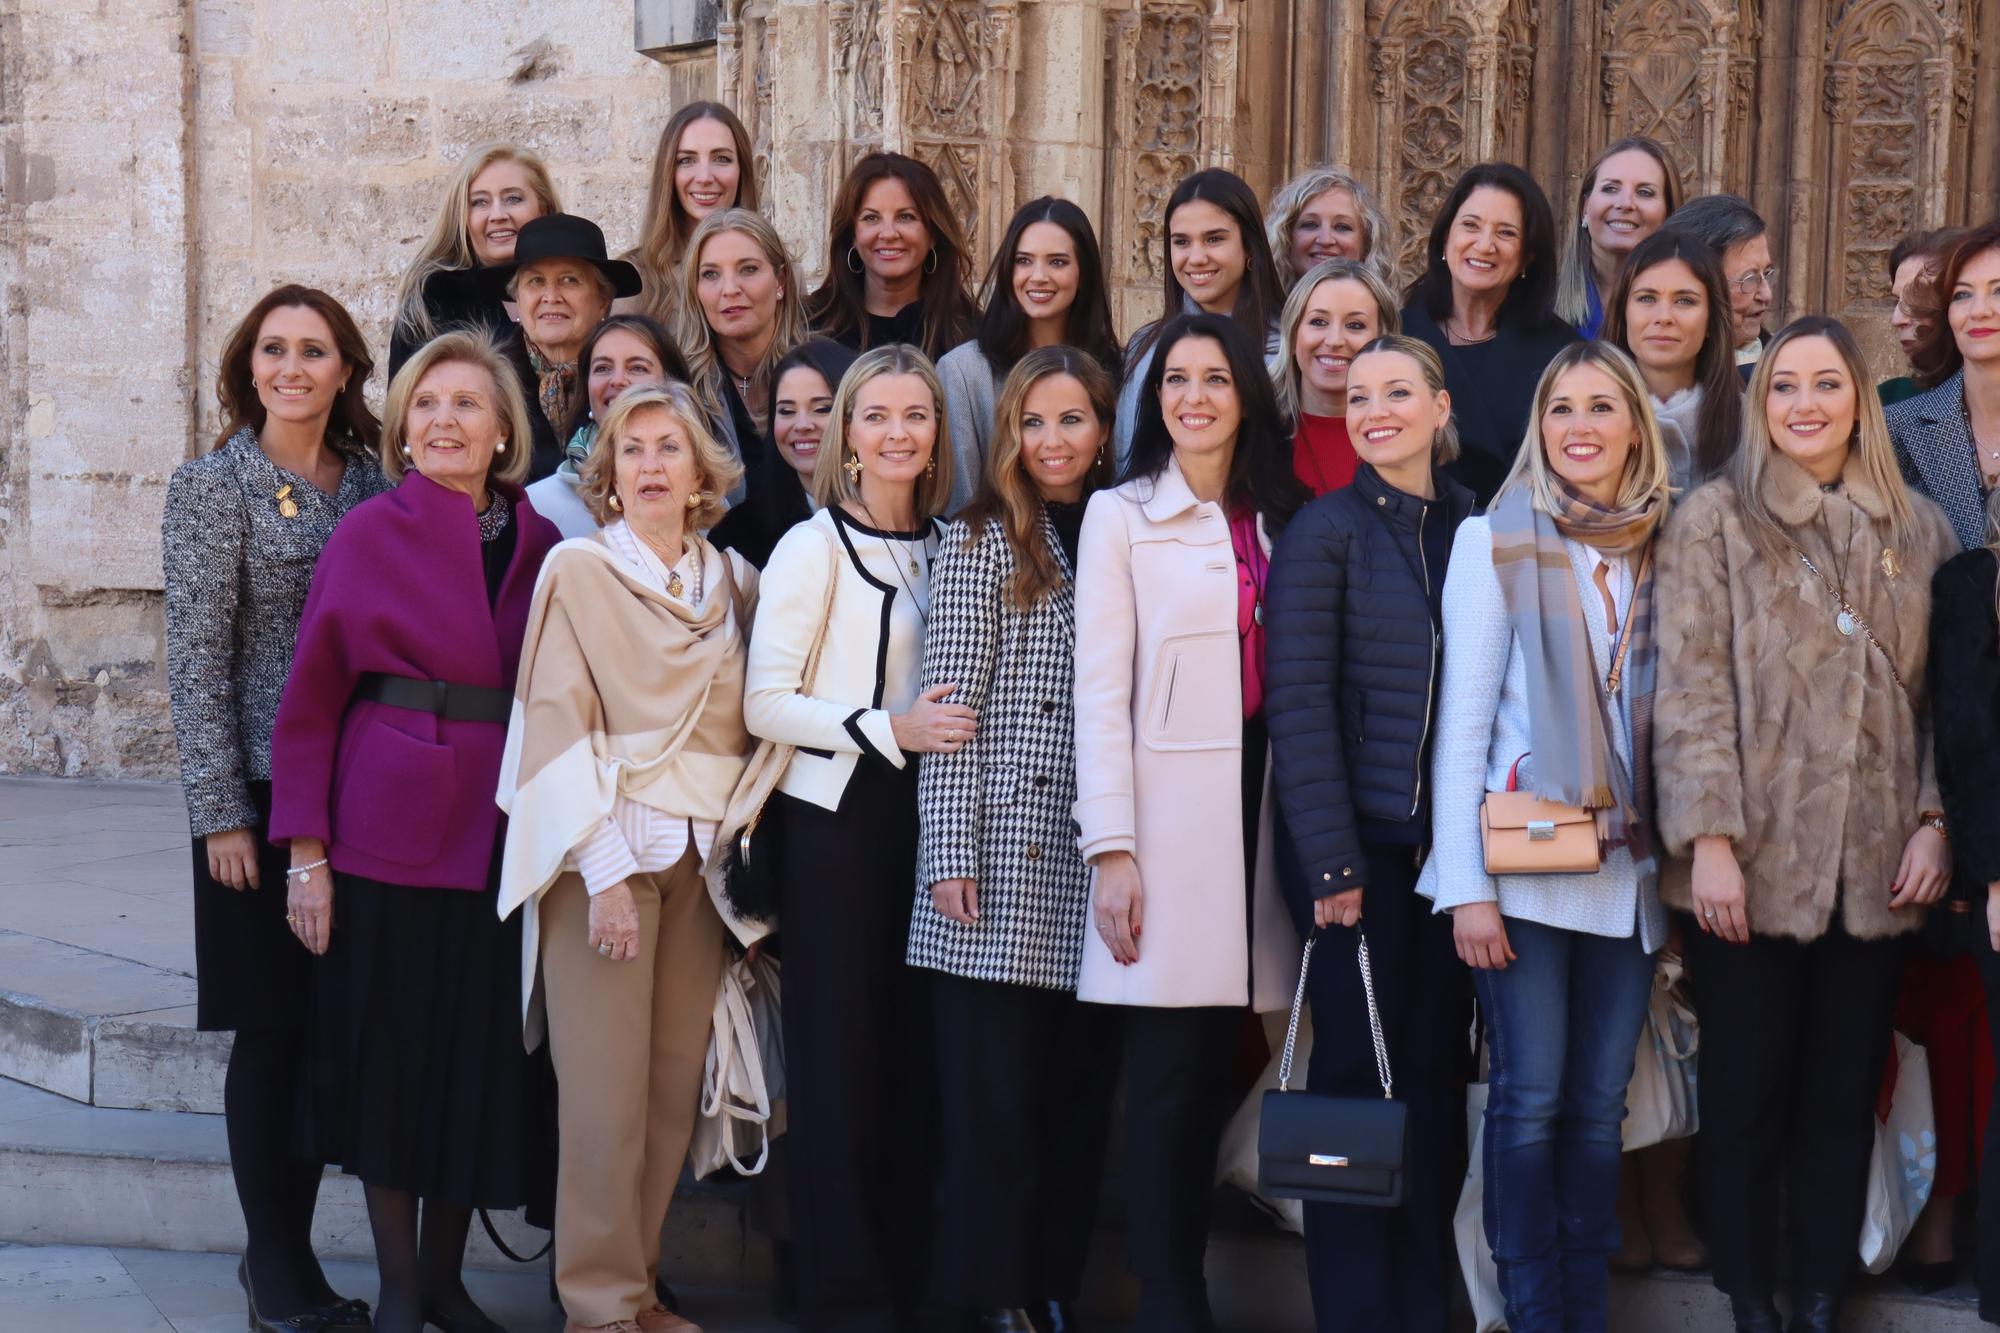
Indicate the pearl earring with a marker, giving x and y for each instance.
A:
(501, 447)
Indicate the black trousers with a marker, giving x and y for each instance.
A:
(1385, 1269)
(1025, 1078)
(1793, 1040)
(858, 1081)
(1988, 1264)
(1179, 1065)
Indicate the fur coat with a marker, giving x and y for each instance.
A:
(1775, 730)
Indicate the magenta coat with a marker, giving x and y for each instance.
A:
(399, 795)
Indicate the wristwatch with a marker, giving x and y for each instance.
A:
(1934, 819)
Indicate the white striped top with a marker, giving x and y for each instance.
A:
(636, 839)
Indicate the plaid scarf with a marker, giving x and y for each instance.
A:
(556, 384)
(1569, 715)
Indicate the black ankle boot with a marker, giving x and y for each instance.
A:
(1755, 1314)
(1815, 1312)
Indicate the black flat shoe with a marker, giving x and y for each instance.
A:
(310, 1321)
(474, 1321)
(999, 1321)
(1927, 1279)
(1755, 1314)
(1815, 1312)
(1053, 1317)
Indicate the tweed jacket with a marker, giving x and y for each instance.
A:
(1934, 449)
(1775, 730)
(1484, 725)
(997, 812)
(237, 571)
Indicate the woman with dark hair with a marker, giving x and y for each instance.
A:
(1046, 287)
(620, 352)
(1025, 1072)
(1188, 923)
(1628, 192)
(1486, 302)
(803, 385)
(244, 524)
(1913, 265)
(1948, 437)
(897, 262)
(1736, 233)
(703, 165)
(1217, 261)
(1670, 310)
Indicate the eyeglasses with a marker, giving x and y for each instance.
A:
(1745, 283)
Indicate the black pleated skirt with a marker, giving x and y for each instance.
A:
(251, 972)
(420, 1080)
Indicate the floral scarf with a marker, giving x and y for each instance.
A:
(556, 384)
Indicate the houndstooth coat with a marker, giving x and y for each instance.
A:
(998, 812)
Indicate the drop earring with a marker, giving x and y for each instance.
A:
(930, 468)
(853, 466)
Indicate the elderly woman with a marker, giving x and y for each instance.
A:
(243, 525)
(626, 742)
(384, 761)
(564, 284)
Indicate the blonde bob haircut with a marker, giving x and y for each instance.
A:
(830, 482)
(449, 243)
(466, 347)
(1291, 200)
(697, 340)
(1870, 448)
(1444, 445)
(598, 473)
(1648, 472)
(1285, 374)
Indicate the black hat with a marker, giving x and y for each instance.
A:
(565, 236)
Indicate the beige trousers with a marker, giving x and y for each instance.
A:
(629, 1040)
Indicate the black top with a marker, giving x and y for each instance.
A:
(1067, 520)
(1965, 697)
(1492, 388)
(1351, 667)
(548, 446)
(905, 326)
(496, 548)
(748, 437)
(456, 298)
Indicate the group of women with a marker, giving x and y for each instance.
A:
(1039, 697)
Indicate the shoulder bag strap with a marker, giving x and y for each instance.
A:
(1382, 1071)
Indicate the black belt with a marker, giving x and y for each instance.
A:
(453, 703)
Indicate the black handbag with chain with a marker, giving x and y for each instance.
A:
(1324, 1147)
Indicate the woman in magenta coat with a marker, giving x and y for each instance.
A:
(385, 759)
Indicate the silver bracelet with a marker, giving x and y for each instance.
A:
(304, 871)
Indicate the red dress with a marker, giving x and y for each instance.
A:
(1322, 456)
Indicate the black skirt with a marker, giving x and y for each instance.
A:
(420, 1078)
(251, 972)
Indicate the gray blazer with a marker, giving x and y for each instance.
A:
(1934, 449)
(237, 571)
(970, 390)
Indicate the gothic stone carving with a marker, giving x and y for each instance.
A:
(1668, 74)
(956, 64)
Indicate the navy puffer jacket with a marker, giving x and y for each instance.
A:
(1351, 666)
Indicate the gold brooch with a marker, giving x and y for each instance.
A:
(674, 584)
(1889, 566)
(287, 506)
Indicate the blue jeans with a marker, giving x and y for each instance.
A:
(1562, 1026)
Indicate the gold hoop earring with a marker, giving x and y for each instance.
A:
(853, 466)
(853, 260)
(930, 261)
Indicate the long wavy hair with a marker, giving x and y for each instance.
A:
(1530, 303)
(1870, 447)
(1938, 357)
(647, 330)
(1258, 297)
(1719, 425)
(1572, 286)
(663, 239)
(1007, 497)
(1285, 376)
(837, 307)
(353, 422)
(1377, 245)
(1003, 330)
(1260, 467)
(448, 246)
(697, 340)
(1648, 471)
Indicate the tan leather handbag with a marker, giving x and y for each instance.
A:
(1526, 835)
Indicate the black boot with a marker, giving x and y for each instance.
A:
(1053, 1317)
(1755, 1314)
(1815, 1312)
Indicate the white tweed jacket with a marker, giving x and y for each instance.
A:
(1482, 727)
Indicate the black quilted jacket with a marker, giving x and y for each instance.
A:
(1351, 670)
(1965, 707)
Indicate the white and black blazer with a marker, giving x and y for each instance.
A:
(869, 667)
(999, 810)
(1934, 449)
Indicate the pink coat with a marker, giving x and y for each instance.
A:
(1159, 754)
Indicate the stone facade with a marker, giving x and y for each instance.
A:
(167, 160)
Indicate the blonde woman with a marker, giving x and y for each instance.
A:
(703, 165)
(626, 742)
(741, 312)
(1548, 685)
(1327, 213)
(1338, 308)
(498, 189)
(1624, 197)
(1796, 773)
(384, 759)
(835, 678)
